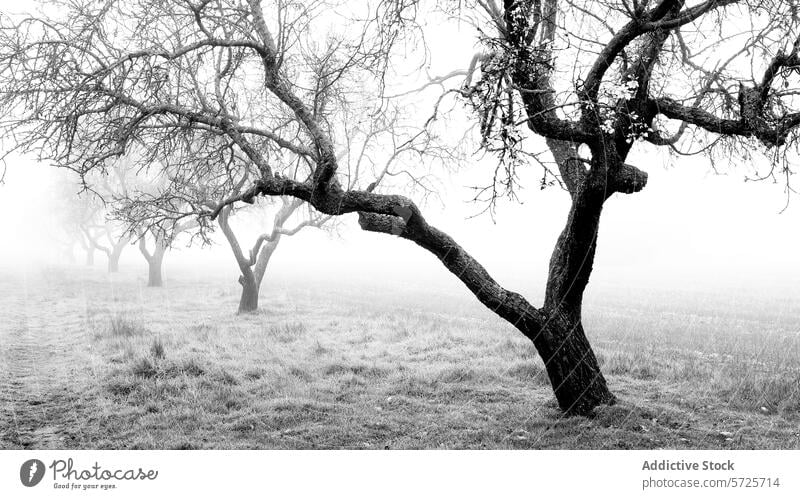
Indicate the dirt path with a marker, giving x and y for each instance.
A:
(36, 359)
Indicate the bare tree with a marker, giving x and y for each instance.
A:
(646, 73)
(74, 215)
(161, 244)
(81, 217)
(130, 206)
(111, 236)
(253, 266)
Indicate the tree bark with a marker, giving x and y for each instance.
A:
(572, 366)
(249, 299)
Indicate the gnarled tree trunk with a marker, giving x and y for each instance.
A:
(571, 364)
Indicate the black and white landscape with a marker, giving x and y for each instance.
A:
(399, 224)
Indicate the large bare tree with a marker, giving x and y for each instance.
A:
(592, 78)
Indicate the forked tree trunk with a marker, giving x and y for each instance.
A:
(254, 266)
(556, 328)
(252, 277)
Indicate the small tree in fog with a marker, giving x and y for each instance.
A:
(81, 216)
(155, 251)
(592, 79)
(374, 150)
(253, 264)
(111, 236)
(155, 237)
(75, 216)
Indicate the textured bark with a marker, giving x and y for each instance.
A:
(572, 366)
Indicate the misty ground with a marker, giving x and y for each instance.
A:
(93, 361)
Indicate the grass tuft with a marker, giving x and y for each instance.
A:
(157, 349)
(124, 327)
(144, 368)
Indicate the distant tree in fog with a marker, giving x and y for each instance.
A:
(80, 217)
(131, 208)
(592, 80)
(110, 236)
(374, 149)
(171, 201)
(161, 243)
(73, 216)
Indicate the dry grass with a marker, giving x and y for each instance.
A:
(118, 365)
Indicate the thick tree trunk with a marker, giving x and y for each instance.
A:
(251, 281)
(572, 366)
(249, 299)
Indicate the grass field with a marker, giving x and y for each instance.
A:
(88, 361)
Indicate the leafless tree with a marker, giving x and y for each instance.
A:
(82, 217)
(74, 215)
(130, 207)
(110, 236)
(594, 79)
(253, 266)
(161, 243)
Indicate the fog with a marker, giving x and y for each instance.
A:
(688, 229)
